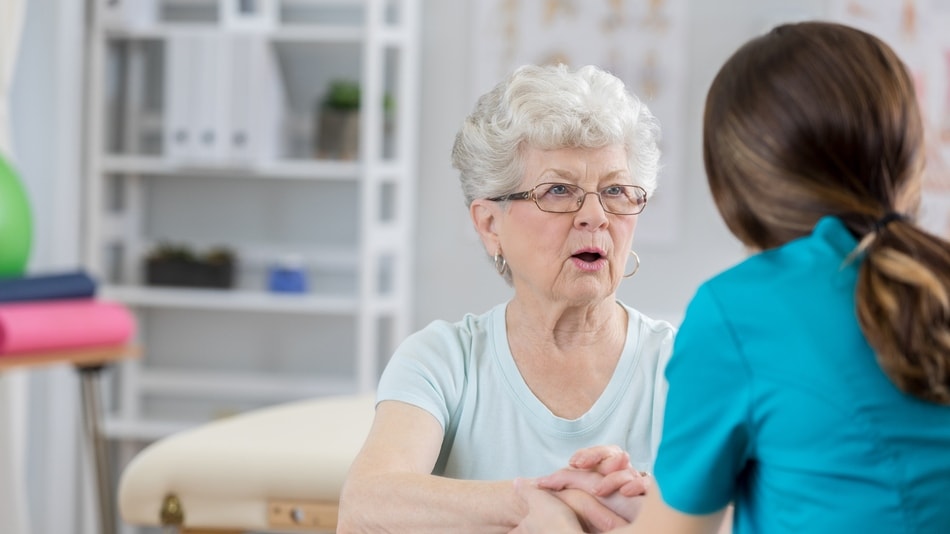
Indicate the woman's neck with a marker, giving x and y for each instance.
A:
(567, 327)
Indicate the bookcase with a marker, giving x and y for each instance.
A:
(215, 146)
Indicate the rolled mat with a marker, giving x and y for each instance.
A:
(51, 286)
(63, 325)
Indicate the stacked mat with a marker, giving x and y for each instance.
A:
(58, 312)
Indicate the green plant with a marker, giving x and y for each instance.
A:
(219, 255)
(389, 104)
(345, 95)
(171, 251)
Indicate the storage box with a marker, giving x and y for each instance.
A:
(184, 272)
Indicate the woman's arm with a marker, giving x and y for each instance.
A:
(389, 487)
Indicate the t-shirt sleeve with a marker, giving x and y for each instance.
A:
(706, 431)
(426, 370)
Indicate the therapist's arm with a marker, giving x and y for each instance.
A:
(548, 515)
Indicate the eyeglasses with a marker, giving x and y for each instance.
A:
(568, 198)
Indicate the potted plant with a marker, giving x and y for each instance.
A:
(338, 120)
(338, 127)
(177, 265)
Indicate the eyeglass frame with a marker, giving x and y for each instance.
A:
(529, 195)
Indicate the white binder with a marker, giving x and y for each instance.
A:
(225, 99)
(180, 141)
(255, 103)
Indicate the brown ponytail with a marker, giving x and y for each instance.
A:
(817, 119)
(903, 305)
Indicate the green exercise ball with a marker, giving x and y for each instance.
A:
(16, 228)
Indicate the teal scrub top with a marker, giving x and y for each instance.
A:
(776, 403)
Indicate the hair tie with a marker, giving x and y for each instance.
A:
(888, 218)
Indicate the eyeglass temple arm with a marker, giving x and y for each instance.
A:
(524, 195)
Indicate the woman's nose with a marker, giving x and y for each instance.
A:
(591, 212)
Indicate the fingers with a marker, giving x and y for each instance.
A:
(594, 515)
(628, 482)
(545, 513)
(592, 457)
(613, 463)
(571, 479)
(638, 486)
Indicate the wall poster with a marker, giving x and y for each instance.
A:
(642, 42)
(918, 32)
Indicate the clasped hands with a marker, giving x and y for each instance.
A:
(600, 488)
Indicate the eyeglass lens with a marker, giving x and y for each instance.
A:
(563, 198)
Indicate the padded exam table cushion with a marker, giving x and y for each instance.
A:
(272, 468)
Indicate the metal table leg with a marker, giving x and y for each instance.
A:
(91, 412)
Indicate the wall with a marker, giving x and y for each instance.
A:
(453, 274)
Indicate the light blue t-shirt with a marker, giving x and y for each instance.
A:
(465, 376)
(776, 401)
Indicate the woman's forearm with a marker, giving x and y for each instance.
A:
(417, 503)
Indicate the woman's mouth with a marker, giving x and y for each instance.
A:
(589, 257)
(589, 260)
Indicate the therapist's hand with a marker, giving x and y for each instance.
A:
(546, 514)
(594, 486)
(596, 514)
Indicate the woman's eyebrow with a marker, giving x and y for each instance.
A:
(622, 175)
(560, 173)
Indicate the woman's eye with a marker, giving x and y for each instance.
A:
(557, 190)
(612, 191)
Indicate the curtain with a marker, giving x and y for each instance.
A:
(11, 24)
(13, 385)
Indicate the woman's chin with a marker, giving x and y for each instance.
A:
(589, 290)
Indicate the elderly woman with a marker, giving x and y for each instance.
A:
(556, 166)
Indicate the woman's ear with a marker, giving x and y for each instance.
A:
(485, 218)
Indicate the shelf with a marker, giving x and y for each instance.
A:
(302, 33)
(210, 385)
(298, 33)
(261, 255)
(287, 169)
(229, 385)
(312, 33)
(159, 81)
(228, 300)
(142, 430)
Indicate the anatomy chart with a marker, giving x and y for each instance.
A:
(919, 30)
(642, 42)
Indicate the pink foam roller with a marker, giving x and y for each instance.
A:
(63, 325)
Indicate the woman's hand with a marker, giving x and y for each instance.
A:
(597, 514)
(605, 473)
(614, 464)
(546, 514)
(621, 508)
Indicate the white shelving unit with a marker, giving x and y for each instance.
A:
(200, 129)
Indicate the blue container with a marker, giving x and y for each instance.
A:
(283, 279)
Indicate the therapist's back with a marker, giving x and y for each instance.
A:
(810, 385)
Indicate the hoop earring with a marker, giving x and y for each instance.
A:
(635, 269)
(501, 264)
